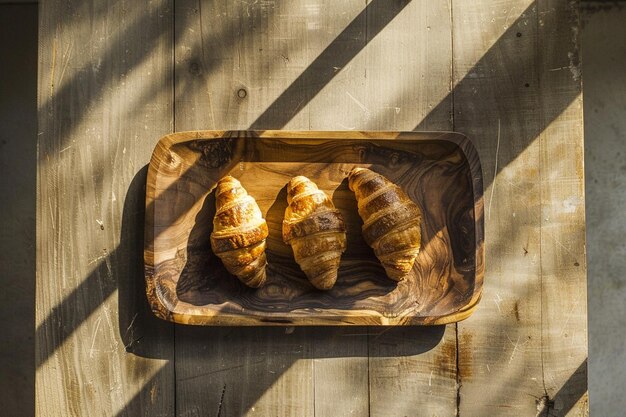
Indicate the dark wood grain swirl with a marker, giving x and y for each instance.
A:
(186, 282)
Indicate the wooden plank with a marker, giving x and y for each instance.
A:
(104, 97)
(368, 79)
(408, 74)
(413, 371)
(407, 68)
(18, 187)
(240, 371)
(290, 102)
(563, 266)
(340, 373)
(232, 61)
(513, 358)
(497, 105)
(335, 44)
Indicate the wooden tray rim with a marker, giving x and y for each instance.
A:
(159, 305)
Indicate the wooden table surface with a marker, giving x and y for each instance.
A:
(115, 76)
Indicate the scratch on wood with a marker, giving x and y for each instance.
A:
(131, 322)
(230, 368)
(66, 56)
(507, 17)
(358, 103)
(210, 105)
(107, 262)
(558, 242)
(297, 108)
(498, 301)
(96, 259)
(52, 65)
(51, 214)
(514, 348)
(93, 337)
(154, 393)
(569, 316)
(219, 408)
(346, 127)
(114, 343)
(495, 171)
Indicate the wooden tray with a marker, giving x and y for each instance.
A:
(186, 282)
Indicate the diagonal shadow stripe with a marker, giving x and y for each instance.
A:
(221, 381)
(506, 81)
(569, 394)
(122, 269)
(364, 27)
(136, 405)
(64, 319)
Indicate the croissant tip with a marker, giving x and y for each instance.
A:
(396, 274)
(325, 281)
(355, 171)
(258, 280)
(297, 180)
(228, 178)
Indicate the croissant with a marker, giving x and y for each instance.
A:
(315, 230)
(391, 221)
(239, 233)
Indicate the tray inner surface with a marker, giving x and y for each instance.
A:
(191, 281)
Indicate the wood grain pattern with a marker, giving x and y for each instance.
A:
(104, 98)
(564, 329)
(305, 65)
(225, 50)
(500, 353)
(408, 86)
(515, 88)
(187, 284)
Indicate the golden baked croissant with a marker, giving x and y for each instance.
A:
(391, 221)
(315, 230)
(239, 233)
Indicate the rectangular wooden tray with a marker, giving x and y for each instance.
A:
(186, 282)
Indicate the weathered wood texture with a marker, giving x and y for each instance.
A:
(408, 81)
(104, 97)
(564, 341)
(232, 61)
(18, 182)
(316, 55)
(517, 89)
(188, 284)
(507, 69)
(500, 354)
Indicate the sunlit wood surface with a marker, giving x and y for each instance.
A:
(115, 76)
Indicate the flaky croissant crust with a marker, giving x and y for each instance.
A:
(239, 232)
(315, 230)
(391, 221)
